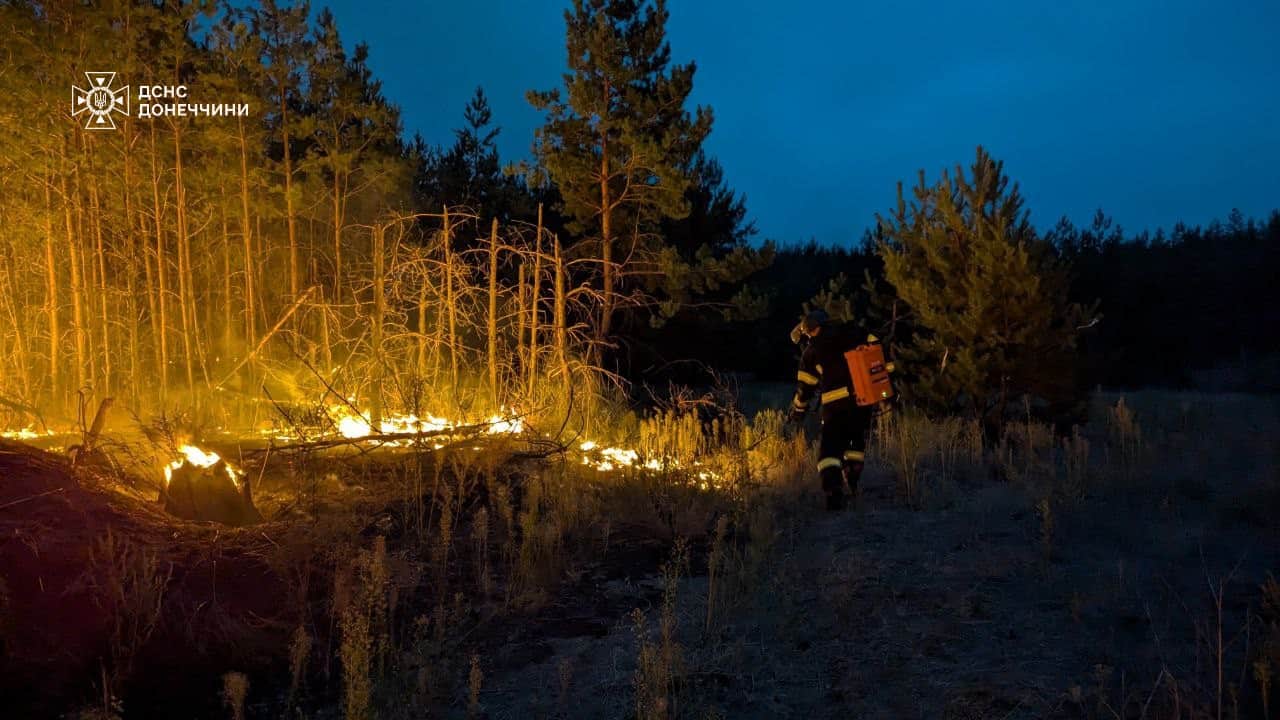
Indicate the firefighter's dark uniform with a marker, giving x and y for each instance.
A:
(824, 370)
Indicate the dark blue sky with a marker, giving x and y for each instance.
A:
(1153, 110)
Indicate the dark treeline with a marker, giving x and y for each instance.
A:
(1192, 308)
(1197, 307)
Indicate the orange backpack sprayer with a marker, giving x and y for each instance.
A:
(870, 373)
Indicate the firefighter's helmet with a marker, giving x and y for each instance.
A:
(813, 320)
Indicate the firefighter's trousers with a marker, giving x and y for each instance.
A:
(841, 450)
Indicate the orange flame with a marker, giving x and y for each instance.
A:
(196, 457)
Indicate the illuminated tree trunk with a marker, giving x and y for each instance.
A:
(84, 282)
(379, 314)
(326, 350)
(154, 312)
(422, 325)
(450, 305)
(533, 305)
(51, 289)
(77, 308)
(161, 282)
(250, 334)
(227, 312)
(290, 221)
(337, 238)
(9, 292)
(606, 240)
(493, 313)
(522, 357)
(264, 247)
(131, 269)
(185, 305)
(99, 275)
(562, 331)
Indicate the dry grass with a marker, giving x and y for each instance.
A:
(927, 457)
(235, 688)
(435, 560)
(130, 583)
(660, 662)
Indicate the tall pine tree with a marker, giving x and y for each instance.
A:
(988, 299)
(618, 143)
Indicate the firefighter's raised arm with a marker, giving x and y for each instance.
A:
(807, 379)
(809, 376)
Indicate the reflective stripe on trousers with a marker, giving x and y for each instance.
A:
(829, 462)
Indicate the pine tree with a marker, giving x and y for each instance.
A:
(717, 215)
(236, 54)
(618, 143)
(352, 130)
(475, 153)
(469, 173)
(988, 298)
(285, 48)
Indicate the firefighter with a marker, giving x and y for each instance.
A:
(824, 370)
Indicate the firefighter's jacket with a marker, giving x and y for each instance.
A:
(824, 370)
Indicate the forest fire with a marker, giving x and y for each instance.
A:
(608, 459)
(355, 426)
(319, 398)
(24, 434)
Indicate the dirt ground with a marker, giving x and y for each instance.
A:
(975, 606)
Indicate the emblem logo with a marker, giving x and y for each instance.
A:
(100, 101)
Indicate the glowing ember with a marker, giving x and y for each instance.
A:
(192, 455)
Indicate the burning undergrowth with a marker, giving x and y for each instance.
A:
(479, 520)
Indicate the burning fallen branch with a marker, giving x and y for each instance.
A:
(391, 439)
(349, 427)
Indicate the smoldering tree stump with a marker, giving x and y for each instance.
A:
(209, 494)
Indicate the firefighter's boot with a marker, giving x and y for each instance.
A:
(852, 474)
(833, 486)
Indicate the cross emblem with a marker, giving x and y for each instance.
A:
(99, 101)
